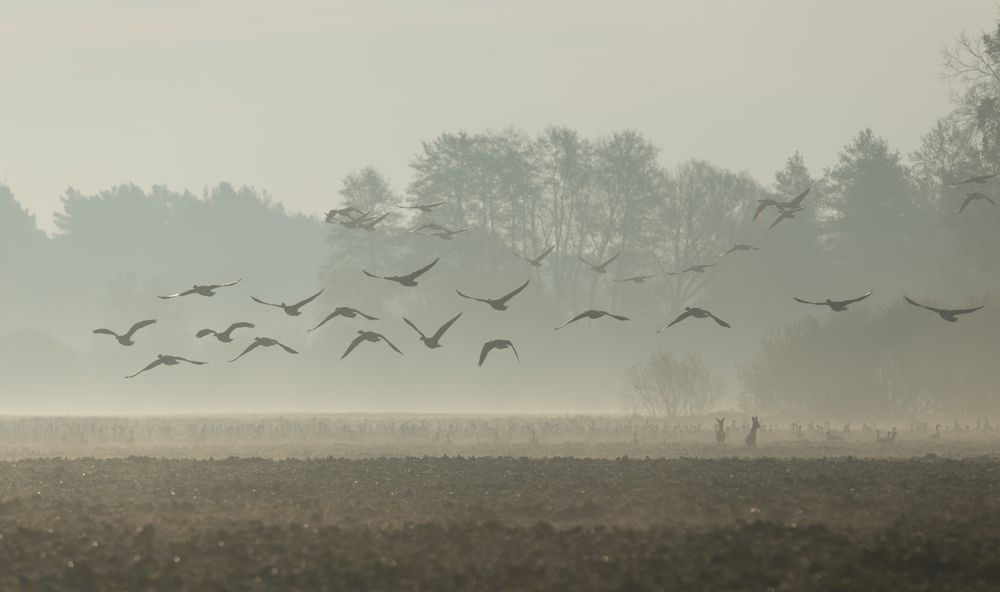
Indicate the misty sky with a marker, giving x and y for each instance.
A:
(289, 97)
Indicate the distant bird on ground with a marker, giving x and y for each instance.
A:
(537, 261)
(429, 226)
(370, 224)
(423, 207)
(227, 335)
(740, 247)
(835, 305)
(975, 196)
(496, 344)
(126, 338)
(408, 280)
(950, 315)
(602, 268)
(343, 311)
(433, 341)
(331, 216)
(292, 310)
(637, 279)
(166, 361)
(498, 303)
(978, 179)
(697, 313)
(263, 342)
(695, 268)
(784, 215)
(448, 234)
(369, 336)
(592, 314)
(206, 290)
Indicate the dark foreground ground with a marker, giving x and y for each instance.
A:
(453, 523)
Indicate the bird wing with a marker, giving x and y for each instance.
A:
(797, 299)
(544, 254)
(369, 317)
(434, 205)
(915, 303)
(286, 348)
(573, 320)
(473, 297)
(307, 300)
(762, 205)
(151, 365)
(258, 300)
(514, 292)
(249, 348)
(679, 318)
(190, 361)
(965, 310)
(240, 325)
(184, 293)
(414, 275)
(780, 217)
(408, 322)
(606, 263)
(443, 328)
(798, 198)
(227, 285)
(585, 261)
(323, 322)
(960, 183)
(487, 347)
(858, 299)
(105, 332)
(390, 344)
(719, 321)
(139, 325)
(731, 249)
(514, 349)
(204, 332)
(369, 274)
(617, 316)
(989, 199)
(353, 345)
(967, 201)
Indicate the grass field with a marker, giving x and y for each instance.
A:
(797, 514)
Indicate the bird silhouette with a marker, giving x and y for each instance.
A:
(975, 196)
(331, 216)
(206, 290)
(369, 225)
(835, 305)
(343, 311)
(637, 279)
(292, 310)
(357, 221)
(537, 261)
(433, 341)
(795, 201)
(227, 335)
(740, 247)
(166, 361)
(785, 215)
(697, 313)
(602, 268)
(498, 303)
(263, 342)
(593, 314)
(978, 179)
(950, 315)
(408, 280)
(448, 234)
(423, 207)
(369, 336)
(126, 338)
(496, 344)
(695, 268)
(763, 204)
(429, 226)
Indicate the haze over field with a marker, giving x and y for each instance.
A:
(147, 148)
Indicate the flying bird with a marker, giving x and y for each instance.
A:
(496, 344)
(263, 342)
(697, 313)
(592, 314)
(331, 216)
(433, 341)
(975, 196)
(369, 336)
(423, 207)
(429, 226)
(602, 268)
(950, 315)
(795, 201)
(369, 225)
(448, 234)
(978, 179)
(166, 361)
(740, 247)
(126, 338)
(695, 268)
(408, 280)
(206, 290)
(537, 261)
(785, 214)
(638, 279)
(292, 310)
(835, 305)
(343, 311)
(763, 204)
(227, 335)
(356, 222)
(498, 303)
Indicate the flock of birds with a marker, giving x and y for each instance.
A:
(351, 217)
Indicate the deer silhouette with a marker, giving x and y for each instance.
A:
(751, 439)
(720, 430)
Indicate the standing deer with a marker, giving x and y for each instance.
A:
(751, 439)
(720, 431)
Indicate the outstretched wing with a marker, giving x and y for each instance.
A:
(719, 321)
(606, 263)
(617, 317)
(353, 345)
(414, 275)
(967, 201)
(369, 317)
(780, 217)
(585, 261)
(184, 293)
(515, 291)
(573, 320)
(227, 285)
(204, 333)
(323, 322)
(240, 325)
(190, 361)
(679, 318)
(151, 365)
(307, 300)
(797, 299)
(731, 249)
(249, 349)
(472, 297)
(105, 332)
(798, 198)
(514, 349)
(421, 333)
(762, 205)
(369, 274)
(858, 299)
(139, 325)
(286, 348)
(390, 344)
(487, 347)
(443, 328)
(915, 303)
(259, 301)
(544, 254)
(962, 311)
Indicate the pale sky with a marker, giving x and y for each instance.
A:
(291, 96)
